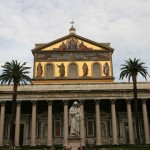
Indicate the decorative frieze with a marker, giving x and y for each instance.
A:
(72, 56)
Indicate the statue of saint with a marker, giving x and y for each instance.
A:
(61, 70)
(85, 69)
(106, 69)
(39, 70)
(82, 46)
(62, 46)
(74, 119)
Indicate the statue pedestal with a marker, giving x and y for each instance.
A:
(74, 142)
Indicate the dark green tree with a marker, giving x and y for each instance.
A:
(130, 69)
(14, 73)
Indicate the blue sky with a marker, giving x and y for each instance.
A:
(123, 23)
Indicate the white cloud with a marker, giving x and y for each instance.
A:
(125, 24)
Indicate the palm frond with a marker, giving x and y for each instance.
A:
(15, 72)
(132, 68)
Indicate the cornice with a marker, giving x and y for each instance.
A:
(75, 91)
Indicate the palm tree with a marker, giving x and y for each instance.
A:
(16, 73)
(131, 69)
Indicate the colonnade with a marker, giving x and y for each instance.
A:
(82, 124)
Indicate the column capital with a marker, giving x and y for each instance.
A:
(65, 102)
(128, 101)
(81, 101)
(3, 103)
(144, 100)
(18, 102)
(34, 102)
(49, 102)
(112, 101)
(97, 101)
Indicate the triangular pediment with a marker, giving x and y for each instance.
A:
(72, 42)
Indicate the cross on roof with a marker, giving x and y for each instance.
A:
(72, 22)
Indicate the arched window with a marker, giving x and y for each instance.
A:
(49, 71)
(96, 70)
(72, 71)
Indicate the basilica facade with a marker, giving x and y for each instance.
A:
(67, 70)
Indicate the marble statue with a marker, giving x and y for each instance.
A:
(74, 119)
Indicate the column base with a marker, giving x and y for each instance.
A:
(132, 143)
(98, 144)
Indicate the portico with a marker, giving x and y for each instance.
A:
(103, 121)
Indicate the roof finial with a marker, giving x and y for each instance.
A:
(72, 29)
(72, 22)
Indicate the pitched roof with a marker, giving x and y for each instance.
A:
(43, 45)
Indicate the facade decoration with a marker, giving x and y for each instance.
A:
(78, 56)
(72, 43)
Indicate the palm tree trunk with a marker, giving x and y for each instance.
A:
(136, 109)
(12, 127)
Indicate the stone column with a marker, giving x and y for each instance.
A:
(65, 122)
(17, 126)
(130, 122)
(50, 121)
(2, 113)
(146, 125)
(33, 128)
(82, 127)
(114, 124)
(98, 123)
